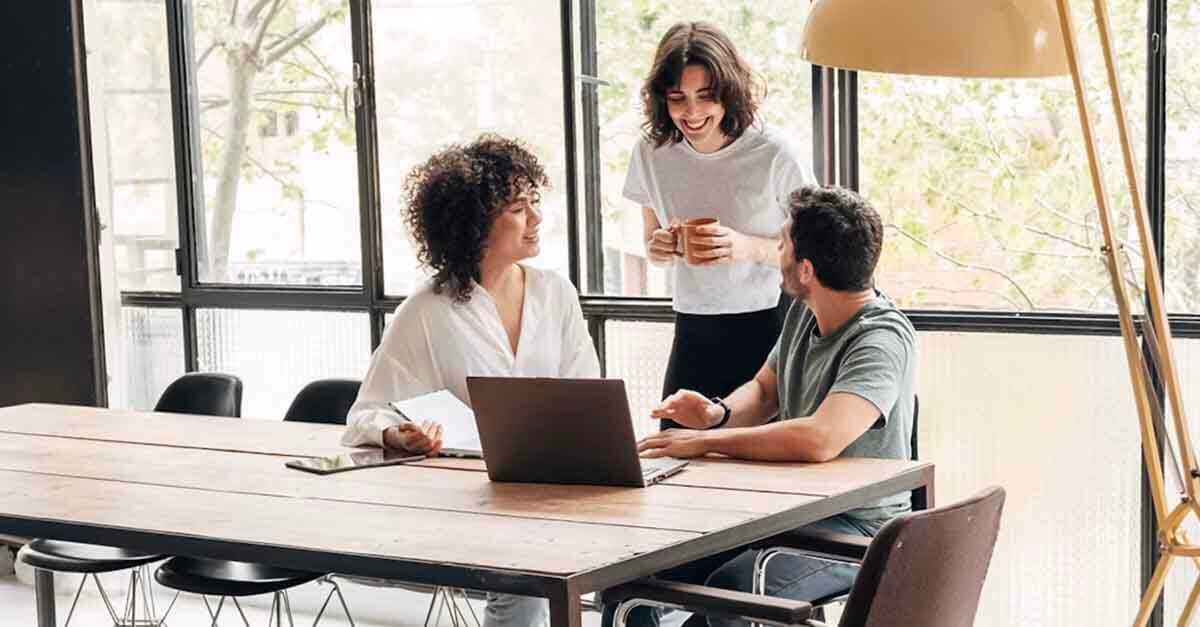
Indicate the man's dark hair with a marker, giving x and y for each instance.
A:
(452, 200)
(733, 82)
(839, 233)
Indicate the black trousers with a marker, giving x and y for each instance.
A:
(716, 354)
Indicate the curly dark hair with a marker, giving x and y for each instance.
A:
(699, 43)
(839, 233)
(452, 199)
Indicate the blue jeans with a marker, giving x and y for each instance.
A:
(510, 610)
(789, 576)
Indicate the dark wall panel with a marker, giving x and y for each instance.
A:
(49, 290)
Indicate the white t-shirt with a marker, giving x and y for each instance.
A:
(434, 343)
(745, 185)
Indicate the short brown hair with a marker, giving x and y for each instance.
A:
(733, 82)
(839, 232)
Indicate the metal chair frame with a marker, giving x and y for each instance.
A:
(138, 578)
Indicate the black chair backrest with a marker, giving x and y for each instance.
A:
(205, 393)
(913, 439)
(325, 401)
(927, 568)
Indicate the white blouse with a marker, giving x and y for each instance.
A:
(435, 343)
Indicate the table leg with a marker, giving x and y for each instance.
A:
(566, 609)
(44, 590)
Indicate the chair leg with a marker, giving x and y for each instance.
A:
(335, 589)
(466, 600)
(287, 603)
(112, 611)
(216, 615)
(432, 603)
(238, 605)
(78, 591)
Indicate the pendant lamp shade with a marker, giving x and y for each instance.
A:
(966, 38)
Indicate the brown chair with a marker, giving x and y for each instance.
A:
(924, 568)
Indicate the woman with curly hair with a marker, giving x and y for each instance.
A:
(473, 212)
(706, 154)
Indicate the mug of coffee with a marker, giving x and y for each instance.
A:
(687, 235)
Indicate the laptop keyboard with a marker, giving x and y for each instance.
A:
(651, 466)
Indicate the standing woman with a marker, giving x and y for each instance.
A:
(705, 154)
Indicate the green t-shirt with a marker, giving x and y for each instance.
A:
(872, 356)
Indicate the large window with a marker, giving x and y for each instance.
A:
(275, 104)
(984, 186)
(446, 72)
(1183, 157)
(129, 95)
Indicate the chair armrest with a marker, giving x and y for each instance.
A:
(840, 545)
(713, 601)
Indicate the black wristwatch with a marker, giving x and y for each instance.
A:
(725, 418)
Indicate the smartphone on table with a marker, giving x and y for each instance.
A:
(367, 458)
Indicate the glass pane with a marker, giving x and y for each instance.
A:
(129, 103)
(1183, 157)
(1051, 419)
(766, 33)
(1015, 411)
(153, 356)
(983, 184)
(1183, 576)
(637, 352)
(446, 72)
(275, 92)
(278, 352)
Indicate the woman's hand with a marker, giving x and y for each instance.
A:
(660, 247)
(423, 439)
(718, 244)
(690, 409)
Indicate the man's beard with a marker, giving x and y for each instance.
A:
(797, 291)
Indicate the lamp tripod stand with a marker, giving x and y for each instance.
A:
(1156, 332)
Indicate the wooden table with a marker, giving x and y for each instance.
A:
(217, 487)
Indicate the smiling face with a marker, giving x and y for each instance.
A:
(514, 235)
(696, 110)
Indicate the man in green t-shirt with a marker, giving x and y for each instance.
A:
(840, 381)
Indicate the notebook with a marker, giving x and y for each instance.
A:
(460, 437)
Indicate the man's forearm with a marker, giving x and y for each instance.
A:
(789, 441)
(751, 404)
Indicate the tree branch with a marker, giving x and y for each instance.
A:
(965, 265)
(256, 163)
(266, 24)
(285, 46)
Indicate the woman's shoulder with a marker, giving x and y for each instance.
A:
(424, 301)
(551, 285)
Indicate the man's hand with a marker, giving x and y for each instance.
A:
(423, 439)
(660, 247)
(678, 443)
(690, 409)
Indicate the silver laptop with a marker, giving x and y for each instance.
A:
(561, 431)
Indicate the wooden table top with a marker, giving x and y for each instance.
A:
(217, 485)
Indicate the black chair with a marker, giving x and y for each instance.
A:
(924, 568)
(326, 401)
(211, 394)
(836, 546)
(204, 393)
